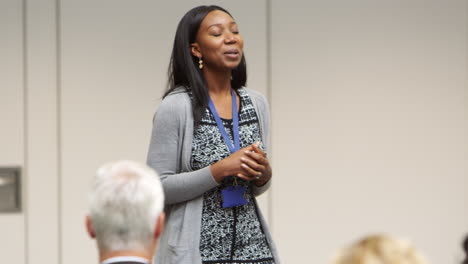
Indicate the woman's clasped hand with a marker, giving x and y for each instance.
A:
(249, 163)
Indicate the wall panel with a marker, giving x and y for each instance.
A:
(43, 136)
(12, 129)
(370, 124)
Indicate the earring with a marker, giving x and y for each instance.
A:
(200, 63)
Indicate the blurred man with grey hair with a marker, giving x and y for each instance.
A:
(126, 212)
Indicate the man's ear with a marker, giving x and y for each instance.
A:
(159, 225)
(195, 49)
(89, 227)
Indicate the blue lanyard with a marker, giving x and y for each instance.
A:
(235, 124)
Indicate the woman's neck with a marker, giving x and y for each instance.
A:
(219, 83)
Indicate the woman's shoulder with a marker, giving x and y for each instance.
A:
(177, 101)
(256, 96)
(179, 95)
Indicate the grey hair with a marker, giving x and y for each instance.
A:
(124, 203)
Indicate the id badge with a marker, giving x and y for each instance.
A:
(233, 196)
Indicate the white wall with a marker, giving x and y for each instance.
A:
(369, 108)
(12, 118)
(369, 102)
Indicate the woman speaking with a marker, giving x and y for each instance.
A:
(208, 146)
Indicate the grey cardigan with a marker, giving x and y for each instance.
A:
(170, 155)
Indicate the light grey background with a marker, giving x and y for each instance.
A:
(369, 108)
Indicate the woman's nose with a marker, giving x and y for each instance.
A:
(230, 38)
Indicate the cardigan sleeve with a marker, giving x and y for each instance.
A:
(165, 154)
(263, 112)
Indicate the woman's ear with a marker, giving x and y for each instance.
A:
(195, 49)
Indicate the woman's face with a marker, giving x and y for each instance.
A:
(218, 42)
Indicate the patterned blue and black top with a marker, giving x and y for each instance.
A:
(229, 235)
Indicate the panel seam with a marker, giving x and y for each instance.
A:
(58, 36)
(269, 97)
(25, 171)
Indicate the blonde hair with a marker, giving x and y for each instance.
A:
(380, 249)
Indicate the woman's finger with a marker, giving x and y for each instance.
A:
(258, 150)
(259, 158)
(248, 148)
(249, 171)
(247, 178)
(253, 164)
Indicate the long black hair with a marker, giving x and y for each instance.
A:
(465, 249)
(184, 72)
